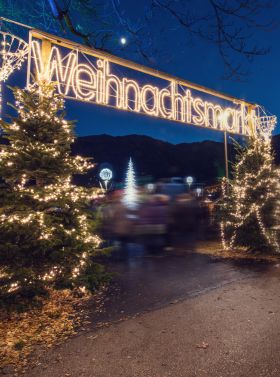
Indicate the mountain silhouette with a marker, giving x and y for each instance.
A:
(156, 159)
(159, 159)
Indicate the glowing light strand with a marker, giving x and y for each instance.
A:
(62, 190)
(241, 188)
(97, 84)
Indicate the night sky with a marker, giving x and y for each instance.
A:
(196, 61)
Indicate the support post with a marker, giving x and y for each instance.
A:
(1, 98)
(251, 123)
(226, 154)
(46, 51)
(28, 78)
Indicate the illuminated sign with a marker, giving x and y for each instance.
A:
(86, 76)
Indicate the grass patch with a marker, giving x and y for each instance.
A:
(215, 248)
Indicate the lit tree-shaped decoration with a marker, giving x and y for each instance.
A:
(46, 225)
(13, 53)
(130, 196)
(248, 202)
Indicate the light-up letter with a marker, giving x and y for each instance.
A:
(37, 57)
(100, 81)
(113, 88)
(84, 82)
(178, 104)
(198, 106)
(249, 123)
(163, 97)
(212, 115)
(188, 100)
(149, 92)
(59, 71)
(229, 119)
(240, 117)
(131, 86)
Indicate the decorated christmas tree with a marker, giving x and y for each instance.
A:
(46, 226)
(249, 200)
(130, 197)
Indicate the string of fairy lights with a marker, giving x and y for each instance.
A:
(82, 80)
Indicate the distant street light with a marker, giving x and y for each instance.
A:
(106, 175)
(223, 119)
(150, 187)
(189, 181)
(199, 191)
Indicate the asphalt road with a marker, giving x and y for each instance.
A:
(198, 317)
(145, 281)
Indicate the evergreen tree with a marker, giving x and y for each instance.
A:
(130, 198)
(249, 200)
(46, 226)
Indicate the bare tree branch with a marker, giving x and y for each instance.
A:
(229, 25)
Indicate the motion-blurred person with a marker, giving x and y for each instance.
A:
(153, 221)
(188, 215)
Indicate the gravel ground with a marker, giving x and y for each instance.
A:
(233, 330)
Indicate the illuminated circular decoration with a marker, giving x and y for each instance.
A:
(106, 174)
(151, 187)
(13, 53)
(189, 180)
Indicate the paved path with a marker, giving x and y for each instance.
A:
(148, 281)
(224, 322)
